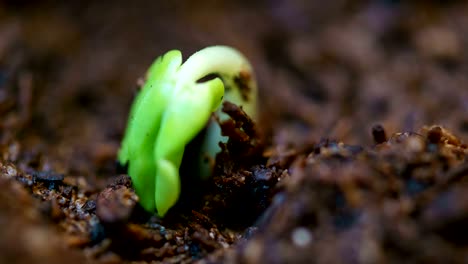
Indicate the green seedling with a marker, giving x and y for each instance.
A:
(173, 106)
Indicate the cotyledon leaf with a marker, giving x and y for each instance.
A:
(170, 110)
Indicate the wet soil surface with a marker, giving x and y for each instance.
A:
(359, 155)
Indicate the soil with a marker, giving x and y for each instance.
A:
(359, 154)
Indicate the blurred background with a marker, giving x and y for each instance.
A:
(69, 70)
(326, 69)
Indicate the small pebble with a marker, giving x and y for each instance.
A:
(301, 237)
(415, 144)
(11, 171)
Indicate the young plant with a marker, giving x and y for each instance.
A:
(174, 105)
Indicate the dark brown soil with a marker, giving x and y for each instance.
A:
(359, 156)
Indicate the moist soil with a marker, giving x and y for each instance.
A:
(359, 154)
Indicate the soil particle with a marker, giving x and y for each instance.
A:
(378, 133)
(242, 81)
(115, 205)
(48, 177)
